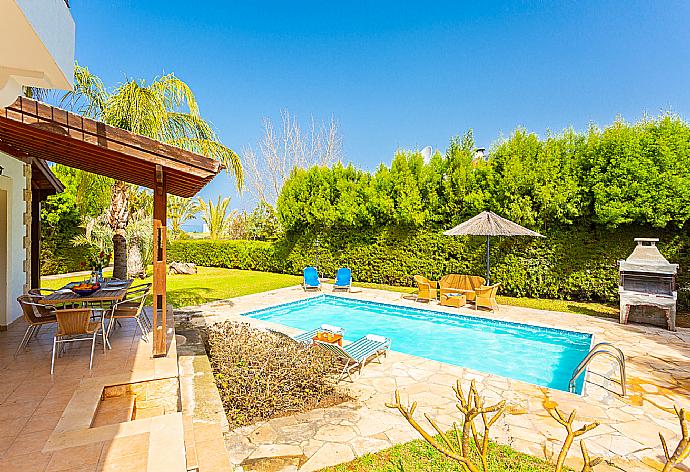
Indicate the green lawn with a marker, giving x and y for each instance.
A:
(418, 456)
(208, 285)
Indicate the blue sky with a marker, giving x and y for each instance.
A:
(398, 74)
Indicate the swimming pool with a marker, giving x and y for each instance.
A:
(542, 356)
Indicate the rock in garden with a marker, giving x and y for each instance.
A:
(182, 268)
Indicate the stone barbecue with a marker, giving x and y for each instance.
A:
(647, 286)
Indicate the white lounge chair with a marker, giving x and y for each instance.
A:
(308, 336)
(355, 355)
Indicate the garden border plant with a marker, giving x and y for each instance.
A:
(472, 406)
(261, 375)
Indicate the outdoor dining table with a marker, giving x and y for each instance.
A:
(105, 294)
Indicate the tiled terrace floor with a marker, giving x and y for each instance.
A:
(45, 421)
(658, 365)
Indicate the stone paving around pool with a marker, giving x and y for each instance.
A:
(658, 370)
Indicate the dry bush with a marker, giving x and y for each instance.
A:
(262, 375)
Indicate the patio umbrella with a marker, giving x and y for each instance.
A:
(488, 224)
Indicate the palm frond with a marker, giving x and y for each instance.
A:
(215, 150)
(97, 234)
(136, 108)
(215, 216)
(174, 93)
(190, 126)
(36, 93)
(156, 111)
(89, 94)
(180, 210)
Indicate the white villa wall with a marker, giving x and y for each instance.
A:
(38, 39)
(53, 24)
(13, 183)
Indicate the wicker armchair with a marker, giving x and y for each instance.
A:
(36, 315)
(426, 288)
(486, 297)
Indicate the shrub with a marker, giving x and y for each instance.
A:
(230, 254)
(262, 375)
(61, 258)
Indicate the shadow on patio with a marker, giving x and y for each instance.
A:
(70, 422)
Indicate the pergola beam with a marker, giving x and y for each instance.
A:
(52, 134)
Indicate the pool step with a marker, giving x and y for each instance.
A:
(114, 410)
(601, 349)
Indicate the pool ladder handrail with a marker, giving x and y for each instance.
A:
(598, 349)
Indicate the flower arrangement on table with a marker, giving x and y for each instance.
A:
(98, 262)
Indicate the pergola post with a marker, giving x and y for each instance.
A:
(160, 330)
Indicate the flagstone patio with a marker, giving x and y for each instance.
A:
(59, 423)
(658, 372)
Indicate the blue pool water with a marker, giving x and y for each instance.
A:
(542, 356)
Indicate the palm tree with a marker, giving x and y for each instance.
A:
(180, 210)
(216, 216)
(139, 233)
(165, 110)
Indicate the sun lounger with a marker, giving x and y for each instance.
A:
(343, 279)
(311, 279)
(308, 336)
(356, 354)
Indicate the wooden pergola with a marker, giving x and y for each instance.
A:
(34, 130)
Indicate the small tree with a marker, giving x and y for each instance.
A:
(237, 225)
(262, 223)
(280, 151)
(215, 216)
(180, 210)
(458, 447)
(682, 450)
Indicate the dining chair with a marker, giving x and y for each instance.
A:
(132, 307)
(40, 292)
(74, 325)
(144, 316)
(36, 315)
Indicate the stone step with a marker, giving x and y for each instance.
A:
(190, 443)
(114, 410)
(210, 448)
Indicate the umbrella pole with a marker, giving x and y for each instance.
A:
(488, 270)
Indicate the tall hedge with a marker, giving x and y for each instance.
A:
(230, 254)
(625, 174)
(589, 192)
(577, 264)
